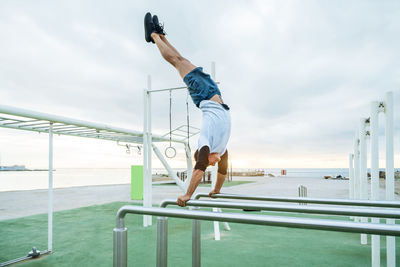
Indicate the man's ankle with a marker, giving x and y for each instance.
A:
(155, 35)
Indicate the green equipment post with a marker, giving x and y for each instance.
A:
(137, 182)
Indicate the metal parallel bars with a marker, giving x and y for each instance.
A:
(343, 211)
(328, 201)
(120, 232)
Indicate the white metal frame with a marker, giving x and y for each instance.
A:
(148, 147)
(358, 174)
(28, 120)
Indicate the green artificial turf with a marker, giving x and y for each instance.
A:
(83, 237)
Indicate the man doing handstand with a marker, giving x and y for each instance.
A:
(216, 121)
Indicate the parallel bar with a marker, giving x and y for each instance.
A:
(305, 223)
(365, 212)
(328, 201)
(120, 244)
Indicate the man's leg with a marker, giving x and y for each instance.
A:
(164, 39)
(171, 55)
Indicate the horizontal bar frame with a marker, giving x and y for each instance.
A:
(364, 212)
(327, 201)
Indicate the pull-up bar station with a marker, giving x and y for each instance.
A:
(170, 152)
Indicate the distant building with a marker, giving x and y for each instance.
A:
(13, 168)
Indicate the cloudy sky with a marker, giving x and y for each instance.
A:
(298, 75)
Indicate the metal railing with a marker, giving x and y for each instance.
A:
(327, 201)
(120, 232)
(345, 211)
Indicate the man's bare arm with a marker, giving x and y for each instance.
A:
(194, 182)
(218, 184)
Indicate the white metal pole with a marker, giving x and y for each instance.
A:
(363, 171)
(50, 214)
(213, 169)
(390, 240)
(145, 152)
(149, 154)
(351, 176)
(225, 224)
(374, 133)
(188, 162)
(147, 175)
(356, 166)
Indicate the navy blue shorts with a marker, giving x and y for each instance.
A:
(201, 86)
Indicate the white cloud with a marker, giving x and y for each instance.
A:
(297, 74)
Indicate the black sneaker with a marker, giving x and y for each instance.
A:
(159, 28)
(148, 27)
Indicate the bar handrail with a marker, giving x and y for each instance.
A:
(317, 224)
(120, 254)
(327, 201)
(364, 212)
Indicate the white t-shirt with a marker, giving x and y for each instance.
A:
(216, 127)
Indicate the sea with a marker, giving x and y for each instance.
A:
(71, 177)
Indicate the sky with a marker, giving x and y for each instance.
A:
(298, 75)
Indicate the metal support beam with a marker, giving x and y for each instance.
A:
(374, 134)
(162, 241)
(196, 242)
(147, 144)
(390, 240)
(363, 171)
(120, 243)
(50, 201)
